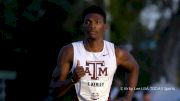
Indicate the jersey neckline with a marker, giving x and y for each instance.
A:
(82, 42)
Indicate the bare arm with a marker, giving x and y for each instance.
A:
(127, 61)
(60, 84)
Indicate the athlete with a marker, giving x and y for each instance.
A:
(93, 62)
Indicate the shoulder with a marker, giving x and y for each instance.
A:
(67, 48)
(66, 51)
(121, 51)
(122, 54)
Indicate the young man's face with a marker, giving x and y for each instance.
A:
(94, 26)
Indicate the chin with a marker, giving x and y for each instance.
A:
(92, 38)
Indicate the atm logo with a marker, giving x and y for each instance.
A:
(98, 67)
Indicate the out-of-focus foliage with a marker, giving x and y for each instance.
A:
(124, 15)
(21, 20)
(126, 29)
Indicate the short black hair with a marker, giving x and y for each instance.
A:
(94, 9)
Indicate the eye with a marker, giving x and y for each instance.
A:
(98, 22)
(87, 22)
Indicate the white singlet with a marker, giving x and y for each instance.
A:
(99, 71)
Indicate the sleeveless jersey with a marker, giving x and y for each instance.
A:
(99, 71)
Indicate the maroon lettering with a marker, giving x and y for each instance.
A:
(102, 71)
(97, 68)
(87, 71)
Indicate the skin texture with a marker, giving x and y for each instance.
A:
(94, 28)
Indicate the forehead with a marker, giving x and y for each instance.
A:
(94, 16)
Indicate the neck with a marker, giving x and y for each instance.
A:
(93, 45)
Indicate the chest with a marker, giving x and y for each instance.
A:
(97, 66)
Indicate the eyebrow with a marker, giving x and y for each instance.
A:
(96, 19)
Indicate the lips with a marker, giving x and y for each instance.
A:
(92, 32)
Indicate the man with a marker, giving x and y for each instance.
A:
(93, 62)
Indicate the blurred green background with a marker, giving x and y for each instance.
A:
(33, 31)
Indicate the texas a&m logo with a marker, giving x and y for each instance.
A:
(98, 69)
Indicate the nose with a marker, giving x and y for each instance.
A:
(92, 25)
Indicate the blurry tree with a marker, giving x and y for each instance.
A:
(124, 17)
(31, 37)
(126, 30)
(157, 44)
(151, 29)
(148, 28)
(165, 59)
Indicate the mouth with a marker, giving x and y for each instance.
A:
(92, 32)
